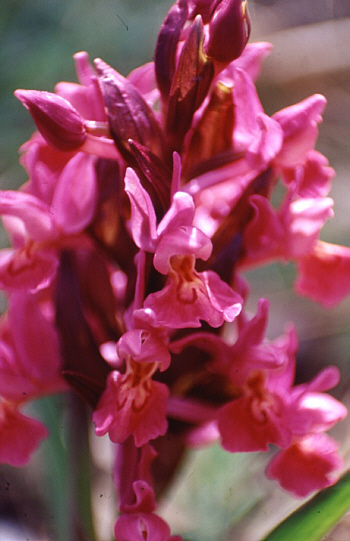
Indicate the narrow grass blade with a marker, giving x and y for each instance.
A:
(314, 519)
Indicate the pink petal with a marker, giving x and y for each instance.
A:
(26, 269)
(299, 124)
(20, 436)
(56, 119)
(246, 425)
(184, 240)
(181, 213)
(252, 57)
(222, 296)
(75, 197)
(307, 465)
(34, 214)
(143, 217)
(324, 275)
(145, 347)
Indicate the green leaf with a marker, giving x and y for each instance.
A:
(317, 517)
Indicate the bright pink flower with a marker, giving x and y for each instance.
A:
(19, 435)
(309, 464)
(261, 413)
(39, 230)
(188, 295)
(324, 274)
(270, 410)
(132, 403)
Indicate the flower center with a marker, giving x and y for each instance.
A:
(135, 386)
(188, 282)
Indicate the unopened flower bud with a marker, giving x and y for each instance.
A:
(229, 30)
(56, 119)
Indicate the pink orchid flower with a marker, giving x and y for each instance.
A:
(176, 244)
(132, 403)
(39, 230)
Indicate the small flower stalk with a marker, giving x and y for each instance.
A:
(148, 196)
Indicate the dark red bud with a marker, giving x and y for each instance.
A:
(229, 30)
(129, 116)
(165, 53)
(190, 84)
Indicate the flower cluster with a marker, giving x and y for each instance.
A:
(148, 196)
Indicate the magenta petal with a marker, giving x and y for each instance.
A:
(252, 57)
(222, 297)
(26, 269)
(299, 124)
(144, 347)
(20, 436)
(34, 214)
(306, 466)
(143, 217)
(74, 200)
(181, 213)
(324, 275)
(246, 426)
(321, 411)
(141, 527)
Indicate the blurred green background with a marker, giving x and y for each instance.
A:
(311, 54)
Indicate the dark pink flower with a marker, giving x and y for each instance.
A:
(40, 229)
(132, 404)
